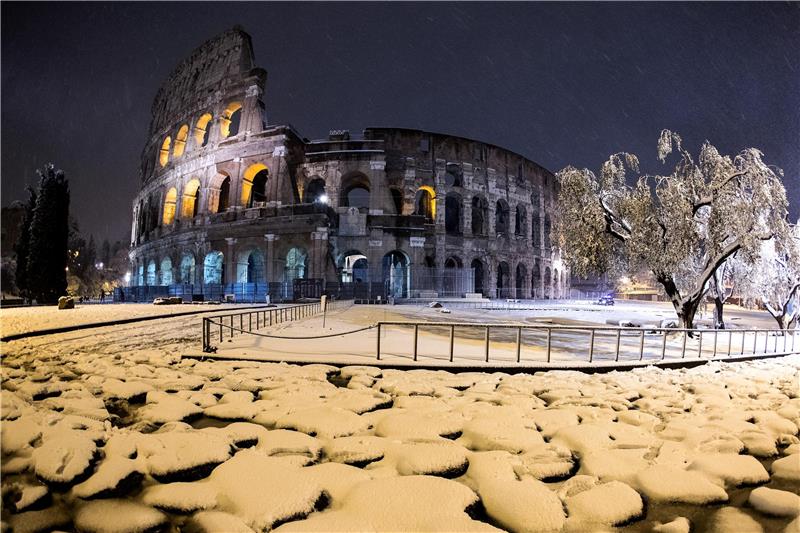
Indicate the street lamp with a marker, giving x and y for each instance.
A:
(323, 199)
(127, 279)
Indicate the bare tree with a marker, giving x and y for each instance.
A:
(682, 226)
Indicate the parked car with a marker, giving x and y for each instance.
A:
(607, 299)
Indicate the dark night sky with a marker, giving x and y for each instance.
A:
(560, 83)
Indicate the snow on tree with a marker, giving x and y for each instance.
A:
(49, 231)
(23, 245)
(682, 226)
(774, 280)
(731, 275)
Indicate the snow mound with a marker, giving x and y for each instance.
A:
(546, 462)
(672, 485)
(734, 520)
(115, 389)
(614, 465)
(775, 502)
(113, 477)
(64, 456)
(50, 519)
(336, 479)
(117, 516)
(21, 495)
(281, 442)
(435, 458)
(181, 497)
(264, 491)
(167, 408)
(18, 434)
(512, 435)
(356, 451)
(679, 525)
(214, 521)
(417, 426)
(233, 411)
(787, 467)
(182, 455)
(731, 469)
(612, 504)
(438, 506)
(328, 422)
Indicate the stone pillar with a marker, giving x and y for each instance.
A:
(377, 186)
(441, 195)
(466, 211)
(269, 257)
(441, 251)
(319, 248)
(230, 262)
(251, 112)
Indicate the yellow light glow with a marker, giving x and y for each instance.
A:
(180, 141)
(247, 181)
(189, 200)
(170, 201)
(163, 155)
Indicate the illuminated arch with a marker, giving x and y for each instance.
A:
(250, 266)
(249, 179)
(151, 278)
(187, 268)
(191, 199)
(163, 154)
(213, 268)
(295, 267)
(425, 202)
(230, 120)
(165, 271)
(170, 202)
(180, 141)
(201, 130)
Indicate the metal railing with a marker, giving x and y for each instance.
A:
(250, 321)
(599, 343)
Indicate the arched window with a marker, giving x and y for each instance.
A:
(536, 282)
(478, 275)
(396, 274)
(254, 184)
(355, 191)
(187, 268)
(191, 199)
(548, 283)
(315, 192)
(230, 119)
(519, 221)
(250, 267)
(170, 202)
(521, 281)
(163, 154)
(452, 177)
(166, 271)
(546, 231)
(295, 265)
(224, 196)
(180, 141)
(397, 200)
(501, 218)
(201, 130)
(480, 215)
(151, 278)
(213, 268)
(503, 280)
(354, 267)
(536, 231)
(424, 204)
(452, 214)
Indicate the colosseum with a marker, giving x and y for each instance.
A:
(233, 205)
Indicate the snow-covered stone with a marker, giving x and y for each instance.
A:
(611, 503)
(775, 502)
(117, 516)
(672, 485)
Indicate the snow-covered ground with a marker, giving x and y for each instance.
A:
(110, 430)
(25, 319)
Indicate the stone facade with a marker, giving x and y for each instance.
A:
(227, 198)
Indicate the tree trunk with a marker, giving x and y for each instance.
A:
(719, 323)
(685, 308)
(781, 320)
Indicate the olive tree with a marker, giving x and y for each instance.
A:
(682, 226)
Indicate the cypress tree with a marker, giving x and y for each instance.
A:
(23, 246)
(49, 234)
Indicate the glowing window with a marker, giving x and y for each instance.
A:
(191, 199)
(229, 122)
(201, 130)
(180, 141)
(163, 154)
(257, 170)
(170, 201)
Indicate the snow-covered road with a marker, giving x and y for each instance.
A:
(109, 430)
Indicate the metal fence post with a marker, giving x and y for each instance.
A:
(641, 345)
(452, 338)
(664, 345)
(487, 344)
(700, 345)
(755, 341)
(416, 335)
(519, 339)
(220, 329)
(730, 341)
(549, 334)
(683, 348)
(619, 336)
(378, 344)
(742, 350)
(591, 346)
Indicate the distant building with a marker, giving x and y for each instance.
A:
(231, 203)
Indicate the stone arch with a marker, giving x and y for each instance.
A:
(536, 281)
(425, 202)
(190, 201)
(503, 280)
(295, 266)
(353, 267)
(219, 193)
(501, 216)
(479, 275)
(165, 271)
(396, 273)
(315, 191)
(202, 130)
(453, 270)
(547, 228)
(230, 120)
(521, 281)
(186, 271)
(163, 154)
(170, 205)
(355, 191)
(213, 268)
(250, 266)
(254, 184)
(548, 283)
(180, 141)
(151, 277)
(452, 214)
(453, 176)
(520, 220)
(480, 215)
